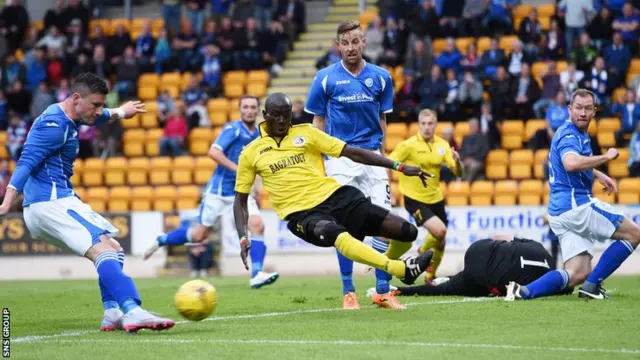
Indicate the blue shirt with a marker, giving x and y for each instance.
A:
(233, 138)
(497, 7)
(352, 104)
(568, 190)
(556, 116)
(46, 163)
(193, 95)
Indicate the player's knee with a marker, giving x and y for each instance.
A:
(578, 276)
(440, 233)
(115, 244)
(256, 226)
(327, 232)
(199, 233)
(408, 232)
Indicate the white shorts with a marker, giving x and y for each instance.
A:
(212, 206)
(67, 223)
(578, 229)
(373, 181)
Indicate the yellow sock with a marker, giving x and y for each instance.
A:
(397, 249)
(355, 250)
(430, 242)
(435, 262)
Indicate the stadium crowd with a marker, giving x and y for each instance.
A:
(438, 44)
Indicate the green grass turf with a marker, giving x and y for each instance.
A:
(443, 327)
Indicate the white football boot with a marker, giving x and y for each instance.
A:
(262, 278)
(142, 319)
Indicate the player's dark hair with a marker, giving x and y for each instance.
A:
(87, 84)
(244, 97)
(347, 26)
(582, 93)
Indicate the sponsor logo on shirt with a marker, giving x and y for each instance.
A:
(343, 82)
(299, 141)
(356, 98)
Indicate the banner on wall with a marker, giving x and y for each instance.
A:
(16, 240)
(466, 225)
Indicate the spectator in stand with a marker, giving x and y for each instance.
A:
(433, 89)
(76, 40)
(491, 59)
(117, 44)
(55, 67)
(331, 57)
(242, 11)
(99, 37)
(629, 26)
(251, 58)
(550, 87)
(298, 115)
(42, 98)
(451, 22)
(19, 99)
(601, 29)
(87, 137)
(56, 16)
(374, 37)
(172, 14)
(263, 13)
(394, 43)
(425, 25)
(12, 71)
(530, 33)
(166, 106)
(628, 108)
(473, 13)
(618, 58)
(634, 153)
(556, 115)
(28, 45)
(471, 60)
(36, 70)
(526, 92)
(577, 14)
(274, 47)
(597, 80)
(112, 100)
(450, 109)
(76, 10)
(201, 259)
(175, 133)
(488, 126)
(212, 71)
(53, 40)
(62, 92)
(4, 118)
(499, 16)
(195, 100)
(517, 59)
(292, 15)
(406, 99)
(16, 136)
(82, 65)
(127, 72)
(419, 60)
(162, 52)
(219, 9)
(554, 42)
(110, 138)
(501, 97)
(226, 42)
(470, 93)
(145, 46)
(585, 54)
(473, 152)
(14, 21)
(571, 78)
(195, 14)
(210, 34)
(450, 57)
(185, 46)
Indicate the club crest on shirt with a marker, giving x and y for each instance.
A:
(441, 151)
(369, 82)
(299, 141)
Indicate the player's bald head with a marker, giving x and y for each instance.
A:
(277, 114)
(277, 100)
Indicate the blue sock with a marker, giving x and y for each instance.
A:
(107, 300)
(610, 260)
(257, 252)
(175, 237)
(382, 278)
(116, 282)
(346, 272)
(550, 283)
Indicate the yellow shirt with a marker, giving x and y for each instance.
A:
(291, 168)
(429, 156)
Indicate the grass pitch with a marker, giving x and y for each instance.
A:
(300, 318)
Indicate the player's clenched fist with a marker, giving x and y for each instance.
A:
(612, 153)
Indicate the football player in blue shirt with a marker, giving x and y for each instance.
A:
(578, 219)
(349, 100)
(220, 192)
(52, 211)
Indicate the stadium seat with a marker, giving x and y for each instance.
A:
(134, 142)
(92, 174)
(233, 90)
(496, 171)
(499, 156)
(522, 11)
(113, 25)
(529, 199)
(98, 205)
(520, 171)
(200, 140)
(608, 125)
(397, 129)
(218, 105)
(531, 187)
(149, 120)
(132, 123)
(442, 126)
(482, 189)
(97, 192)
(540, 158)
(152, 142)
(258, 76)
(119, 197)
(463, 43)
(257, 89)
(182, 169)
(187, 197)
(238, 77)
(506, 187)
(480, 200)
(159, 170)
(593, 129)
(218, 118)
(608, 198)
(204, 168)
(414, 128)
(532, 127)
(137, 171)
(391, 142)
(76, 180)
(80, 192)
(234, 115)
(623, 156)
(461, 129)
(629, 191)
(457, 200)
(521, 157)
(141, 198)
(443, 188)
(151, 80)
(618, 170)
(458, 188)
(506, 43)
(512, 127)
(172, 79)
(511, 142)
(163, 198)
(115, 170)
(606, 139)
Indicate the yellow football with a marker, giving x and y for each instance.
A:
(196, 300)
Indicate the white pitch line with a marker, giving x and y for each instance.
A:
(355, 343)
(34, 338)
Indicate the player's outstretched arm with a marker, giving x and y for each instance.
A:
(10, 198)
(319, 122)
(126, 111)
(241, 217)
(218, 156)
(370, 158)
(574, 162)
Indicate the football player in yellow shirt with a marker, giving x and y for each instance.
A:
(319, 210)
(426, 204)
